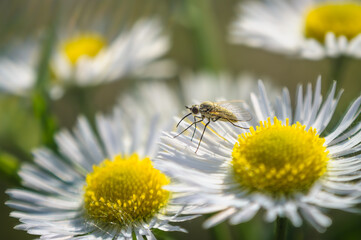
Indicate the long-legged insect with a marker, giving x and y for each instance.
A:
(214, 111)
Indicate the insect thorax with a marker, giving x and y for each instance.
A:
(206, 107)
(214, 111)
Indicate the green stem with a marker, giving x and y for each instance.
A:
(47, 121)
(9, 166)
(221, 232)
(40, 96)
(206, 34)
(281, 228)
(82, 97)
(338, 66)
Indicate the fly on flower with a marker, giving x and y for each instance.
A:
(225, 111)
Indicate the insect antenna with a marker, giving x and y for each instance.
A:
(183, 118)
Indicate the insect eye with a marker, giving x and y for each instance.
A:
(195, 110)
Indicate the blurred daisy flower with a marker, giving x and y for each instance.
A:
(18, 68)
(286, 164)
(152, 96)
(311, 29)
(203, 86)
(90, 58)
(87, 58)
(102, 185)
(169, 100)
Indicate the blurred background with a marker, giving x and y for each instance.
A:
(198, 31)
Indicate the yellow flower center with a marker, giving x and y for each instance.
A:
(343, 19)
(279, 159)
(125, 191)
(83, 45)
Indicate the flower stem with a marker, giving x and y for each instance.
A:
(221, 232)
(281, 228)
(40, 96)
(205, 33)
(338, 65)
(9, 166)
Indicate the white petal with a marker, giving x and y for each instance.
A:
(245, 214)
(218, 218)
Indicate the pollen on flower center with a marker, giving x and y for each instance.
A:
(279, 159)
(83, 45)
(125, 191)
(343, 19)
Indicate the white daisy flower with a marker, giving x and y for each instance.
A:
(18, 68)
(101, 185)
(286, 164)
(89, 58)
(311, 29)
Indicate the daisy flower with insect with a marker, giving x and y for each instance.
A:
(312, 29)
(285, 164)
(101, 184)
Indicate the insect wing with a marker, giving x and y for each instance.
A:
(237, 107)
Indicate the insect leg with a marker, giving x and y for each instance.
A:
(183, 119)
(195, 125)
(200, 140)
(215, 119)
(188, 127)
(236, 124)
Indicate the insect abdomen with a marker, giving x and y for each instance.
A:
(225, 114)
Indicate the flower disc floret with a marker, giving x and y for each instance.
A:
(279, 159)
(125, 191)
(83, 45)
(340, 18)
